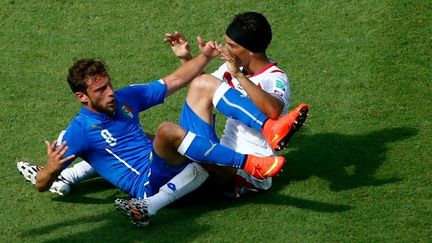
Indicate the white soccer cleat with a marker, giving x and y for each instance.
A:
(60, 186)
(28, 170)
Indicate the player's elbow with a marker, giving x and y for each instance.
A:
(174, 83)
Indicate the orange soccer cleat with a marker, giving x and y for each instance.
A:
(278, 132)
(263, 167)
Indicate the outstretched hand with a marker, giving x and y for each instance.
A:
(209, 49)
(179, 44)
(233, 62)
(55, 155)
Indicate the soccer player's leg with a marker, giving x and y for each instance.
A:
(201, 149)
(174, 145)
(258, 167)
(80, 171)
(165, 185)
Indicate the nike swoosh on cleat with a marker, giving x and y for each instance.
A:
(275, 137)
(272, 167)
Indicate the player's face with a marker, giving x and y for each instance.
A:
(239, 51)
(101, 96)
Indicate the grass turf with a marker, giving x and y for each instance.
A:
(359, 171)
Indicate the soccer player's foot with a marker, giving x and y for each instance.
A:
(60, 186)
(28, 170)
(245, 180)
(135, 209)
(263, 167)
(245, 183)
(278, 132)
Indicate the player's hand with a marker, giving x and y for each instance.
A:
(209, 49)
(55, 156)
(179, 44)
(233, 62)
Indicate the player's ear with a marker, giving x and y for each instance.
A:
(81, 97)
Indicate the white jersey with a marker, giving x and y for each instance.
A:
(237, 135)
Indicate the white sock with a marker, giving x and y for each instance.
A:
(79, 172)
(189, 179)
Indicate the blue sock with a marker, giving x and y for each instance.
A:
(233, 104)
(201, 149)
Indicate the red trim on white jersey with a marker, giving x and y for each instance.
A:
(264, 69)
(227, 76)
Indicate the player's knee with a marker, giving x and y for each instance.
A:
(204, 84)
(168, 131)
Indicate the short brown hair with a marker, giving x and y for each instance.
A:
(84, 69)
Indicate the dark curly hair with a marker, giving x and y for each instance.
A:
(84, 69)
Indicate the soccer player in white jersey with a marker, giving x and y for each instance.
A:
(248, 70)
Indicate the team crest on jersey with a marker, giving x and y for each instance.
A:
(127, 111)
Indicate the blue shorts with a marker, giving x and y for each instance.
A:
(160, 171)
(190, 121)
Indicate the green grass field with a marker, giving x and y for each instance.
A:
(359, 171)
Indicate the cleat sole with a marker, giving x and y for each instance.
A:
(298, 123)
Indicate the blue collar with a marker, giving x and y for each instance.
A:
(99, 116)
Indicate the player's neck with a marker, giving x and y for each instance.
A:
(257, 63)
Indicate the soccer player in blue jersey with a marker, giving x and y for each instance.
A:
(107, 134)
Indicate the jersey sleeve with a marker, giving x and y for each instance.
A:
(146, 95)
(73, 136)
(277, 84)
(219, 73)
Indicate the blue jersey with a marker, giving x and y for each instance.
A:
(117, 147)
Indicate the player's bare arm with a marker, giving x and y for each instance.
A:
(55, 165)
(267, 103)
